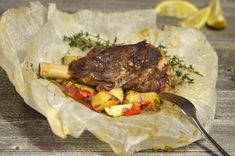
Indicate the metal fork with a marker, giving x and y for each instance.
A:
(190, 111)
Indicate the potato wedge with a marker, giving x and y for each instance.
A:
(118, 93)
(103, 99)
(132, 96)
(117, 110)
(68, 59)
(152, 98)
(84, 87)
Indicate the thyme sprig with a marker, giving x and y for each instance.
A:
(182, 70)
(85, 40)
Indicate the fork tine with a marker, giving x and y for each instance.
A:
(176, 97)
(180, 101)
(172, 98)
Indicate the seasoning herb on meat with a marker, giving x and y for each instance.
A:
(182, 70)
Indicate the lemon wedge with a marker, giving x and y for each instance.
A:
(197, 20)
(216, 18)
(176, 8)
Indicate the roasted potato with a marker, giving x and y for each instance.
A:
(118, 93)
(149, 98)
(132, 96)
(117, 110)
(152, 98)
(103, 99)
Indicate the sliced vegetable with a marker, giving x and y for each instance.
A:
(103, 99)
(70, 90)
(132, 96)
(118, 93)
(150, 99)
(82, 94)
(68, 59)
(117, 110)
(84, 87)
(135, 109)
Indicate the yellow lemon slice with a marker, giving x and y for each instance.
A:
(197, 20)
(176, 8)
(216, 18)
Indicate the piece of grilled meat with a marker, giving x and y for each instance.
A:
(140, 67)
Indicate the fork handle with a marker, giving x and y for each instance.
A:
(222, 151)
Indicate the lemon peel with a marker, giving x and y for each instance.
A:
(177, 8)
(216, 18)
(197, 20)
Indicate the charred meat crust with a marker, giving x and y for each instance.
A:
(134, 66)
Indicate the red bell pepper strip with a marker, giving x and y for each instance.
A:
(135, 109)
(82, 94)
(70, 90)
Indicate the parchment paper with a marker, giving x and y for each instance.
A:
(34, 34)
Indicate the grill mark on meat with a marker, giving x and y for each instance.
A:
(136, 66)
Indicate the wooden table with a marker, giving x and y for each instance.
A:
(23, 131)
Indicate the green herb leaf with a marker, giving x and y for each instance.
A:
(182, 70)
(84, 41)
